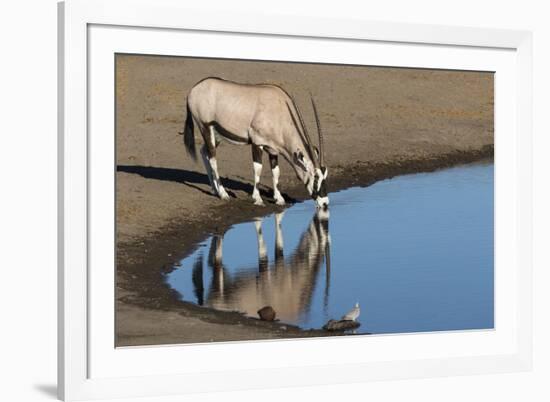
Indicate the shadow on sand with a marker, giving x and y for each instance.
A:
(192, 179)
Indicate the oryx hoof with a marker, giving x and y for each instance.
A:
(258, 200)
(223, 194)
(280, 201)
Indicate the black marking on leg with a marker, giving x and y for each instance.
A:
(263, 264)
(257, 154)
(273, 161)
(210, 146)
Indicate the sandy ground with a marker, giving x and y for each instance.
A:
(378, 122)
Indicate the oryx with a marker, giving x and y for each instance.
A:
(263, 116)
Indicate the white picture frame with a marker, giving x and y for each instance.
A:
(89, 367)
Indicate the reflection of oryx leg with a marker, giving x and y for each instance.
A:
(262, 251)
(257, 164)
(215, 261)
(197, 280)
(215, 253)
(279, 246)
(209, 153)
(274, 162)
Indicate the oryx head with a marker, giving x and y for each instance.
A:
(310, 163)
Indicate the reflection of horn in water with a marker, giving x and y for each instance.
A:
(327, 279)
(309, 254)
(323, 218)
(198, 281)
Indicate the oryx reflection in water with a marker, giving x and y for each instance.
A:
(287, 283)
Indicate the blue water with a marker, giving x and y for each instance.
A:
(415, 251)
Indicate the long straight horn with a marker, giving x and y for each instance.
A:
(320, 132)
(304, 130)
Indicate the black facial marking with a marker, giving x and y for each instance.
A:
(314, 192)
(323, 189)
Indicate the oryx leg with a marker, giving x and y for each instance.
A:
(257, 165)
(209, 156)
(206, 161)
(205, 154)
(274, 162)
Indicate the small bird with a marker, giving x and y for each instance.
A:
(353, 314)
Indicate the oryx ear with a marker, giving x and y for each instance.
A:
(324, 169)
(299, 159)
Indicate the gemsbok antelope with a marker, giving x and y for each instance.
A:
(263, 116)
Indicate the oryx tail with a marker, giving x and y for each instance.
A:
(189, 135)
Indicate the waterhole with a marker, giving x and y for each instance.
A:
(415, 251)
